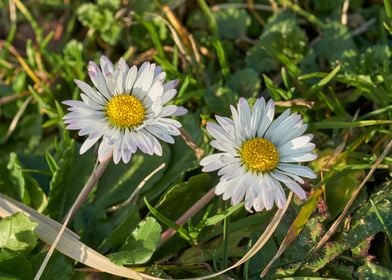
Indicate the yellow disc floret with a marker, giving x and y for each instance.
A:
(259, 155)
(125, 111)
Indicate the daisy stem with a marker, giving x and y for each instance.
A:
(193, 210)
(91, 182)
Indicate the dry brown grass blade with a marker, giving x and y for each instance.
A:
(181, 30)
(191, 144)
(21, 61)
(268, 232)
(92, 181)
(295, 102)
(69, 245)
(354, 195)
(296, 227)
(16, 118)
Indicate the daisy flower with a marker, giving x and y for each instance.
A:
(126, 109)
(258, 155)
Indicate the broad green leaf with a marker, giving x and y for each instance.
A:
(183, 195)
(364, 220)
(218, 99)
(120, 180)
(30, 131)
(17, 233)
(59, 266)
(232, 23)
(102, 19)
(124, 221)
(14, 265)
(37, 196)
(372, 271)
(169, 223)
(182, 157)
(140, 246)
(296, 227)
(67, 181)
(339, 188)
(244, 82)
(337, 35)
(17, 187)
(17, 184)
(281, 33)
(214, 249)
(213, 220)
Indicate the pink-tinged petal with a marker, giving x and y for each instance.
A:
(170, 85)
(180, 111)
(106, 66)
(98, 79)
(144, 80)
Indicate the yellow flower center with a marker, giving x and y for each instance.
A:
(259, 155)
(125, 111)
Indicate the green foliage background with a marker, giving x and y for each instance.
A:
(331, 65)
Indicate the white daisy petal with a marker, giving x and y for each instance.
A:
(106, 66)
(125, 110)
(221, 187)
(97, 78)
(105, 150)
(144, 80)
(258, 109)
(271, 129)
(180, 111)
(292, 133)
(217, 132)
(170, 85)
(296, 143)
(299, 157)
(266, 119)
(281, 129)
(168, 95)
(300, 170)
(244, 115)
(289, 151)
(90, 92)
(258, 155)
(231, 187)
(228, 126)
(211, 158)
(117, 149)
(239, 194)
(160, 133)
(91, 102)
(130, 79)
(88, 143)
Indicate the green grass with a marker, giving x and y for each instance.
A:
(337, 76)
